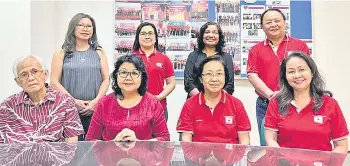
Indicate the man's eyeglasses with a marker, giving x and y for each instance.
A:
(134, 74)
(25, 75)
(145, 33)
(82, 26)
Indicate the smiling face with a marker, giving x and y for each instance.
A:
(213, 76)
(129, 78)
(147, 37)
(84, 29)
(274, 25)
(298, 74)
(211, 36)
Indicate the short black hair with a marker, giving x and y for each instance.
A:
(221, 44)
(139, 65)
(209, 59)
(137, 46)
(271, 9)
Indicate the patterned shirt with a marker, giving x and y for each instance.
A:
(52, 120)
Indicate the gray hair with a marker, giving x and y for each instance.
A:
(317, 85)
(70, 41)
(19, 60)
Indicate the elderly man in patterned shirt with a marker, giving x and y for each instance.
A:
(38, 113)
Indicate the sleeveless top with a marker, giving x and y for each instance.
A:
(81, 74)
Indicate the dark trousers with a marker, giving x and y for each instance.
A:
(85, 121)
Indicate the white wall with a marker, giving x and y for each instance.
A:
(14, 41)
(49, 27)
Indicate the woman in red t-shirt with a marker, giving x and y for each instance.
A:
(304, 115)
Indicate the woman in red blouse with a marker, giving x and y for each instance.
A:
(130, 113)
(303, 114)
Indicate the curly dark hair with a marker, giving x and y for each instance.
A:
(209, 59)
(139, 65)
(221, 44)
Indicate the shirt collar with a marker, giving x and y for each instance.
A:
(202, 99)
(23, 97)
(141, 52)
(268, 42)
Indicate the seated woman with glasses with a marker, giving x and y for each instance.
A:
(303, 114)
(130, 113)
(213, 115)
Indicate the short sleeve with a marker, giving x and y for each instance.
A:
(252, 61)
(272, 115)
(169, 70)
(242, 120)
(304, 48)
(339, 128)
(185, 122)
(72, 124)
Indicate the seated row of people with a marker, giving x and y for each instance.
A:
(302, 115)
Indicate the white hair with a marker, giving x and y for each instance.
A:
(23, 58)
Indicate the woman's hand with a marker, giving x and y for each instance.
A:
(126, 135)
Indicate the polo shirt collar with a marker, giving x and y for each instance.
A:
(312, 101)
(268, 42)
(202, 99)
(141, 52)
(23, 97)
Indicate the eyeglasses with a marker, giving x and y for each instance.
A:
(25, 75)
(82, 26)
(145, 33)
(134, 74)
(211, 75)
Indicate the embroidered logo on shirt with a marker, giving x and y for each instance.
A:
(318, 119)
(318, 163)
(228, 146)
(229, 119)
(159, 64)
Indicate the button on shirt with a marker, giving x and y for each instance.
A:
(53, 119)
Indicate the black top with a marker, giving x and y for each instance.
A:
(192, 71)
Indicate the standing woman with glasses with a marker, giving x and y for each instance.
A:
(210, 42)
(80, 69)
(158, 65)
(130, 113)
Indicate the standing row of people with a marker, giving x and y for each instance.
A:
(137, 109)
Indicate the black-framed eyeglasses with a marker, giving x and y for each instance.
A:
(25, 75)
(134, 74)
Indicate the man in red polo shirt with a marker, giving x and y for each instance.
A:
(264, 60)
(158, 65)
